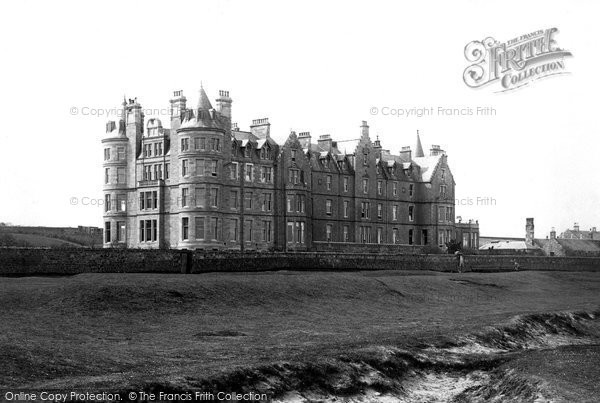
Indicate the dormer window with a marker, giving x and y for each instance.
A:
(293, 155)
(443, 174)
(248, 151)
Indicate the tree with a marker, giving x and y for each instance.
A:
(453, 246)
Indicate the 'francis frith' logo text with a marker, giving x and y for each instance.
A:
(514, 63)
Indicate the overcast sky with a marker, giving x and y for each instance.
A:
(307, 66)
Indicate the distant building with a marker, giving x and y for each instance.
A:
(517, 245)
(206, 184)
(576, 233)
(467, 233)
(554, 246)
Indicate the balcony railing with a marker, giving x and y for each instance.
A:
(148, 183)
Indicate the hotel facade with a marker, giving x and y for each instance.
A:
(205, 184)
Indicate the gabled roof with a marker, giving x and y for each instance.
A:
(347, 146)
(427, 165)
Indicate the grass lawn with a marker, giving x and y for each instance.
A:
(117, 330)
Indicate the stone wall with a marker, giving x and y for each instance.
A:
(28, 261)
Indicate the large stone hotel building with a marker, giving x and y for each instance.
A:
(205, 184)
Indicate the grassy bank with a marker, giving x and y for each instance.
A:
(115, 331)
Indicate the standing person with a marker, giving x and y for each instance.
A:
(460, 260)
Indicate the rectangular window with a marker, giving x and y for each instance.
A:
(395, 188)
(293, 155)
(233, 199)
(290, 203)
(424, 237)
(410, 237)
(441, 213)
(364, 236)
(346, 208)
(120, 175)
(167, 166)
(106, 175)
(346, 234)
(248, 231)
(233, 230)
(411, 189)
(365, 183)
(185, 222)
(199, 167)
(200, 232)
(200, 196)
(328, 182)
(106, 154)
(148, 200)
(328, 232)
(157, 171)
(294, 175)
(395, 236)
(379, 235)
(215, 228)
(266, 174)
(266, 231)
(233, 171)
(248, 200)
(107, 237)
(184, 168)
(411, 213)
(394, 212)
(148, 172)
(379, 211)
(214, 197)
(122, 202)
(328, 207)
(249, 173)
(267, 201)
(121, 153)
(185, 144)
(300, 232)
(213, 167)
(107, 202)
(290, 232)
(184, 197)
(149, 230)
(442, 190)
(345, 184)
(449, 214)
(300, 203)
(202, 143)
(364, 213)
(379, 188)
(121, 231)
